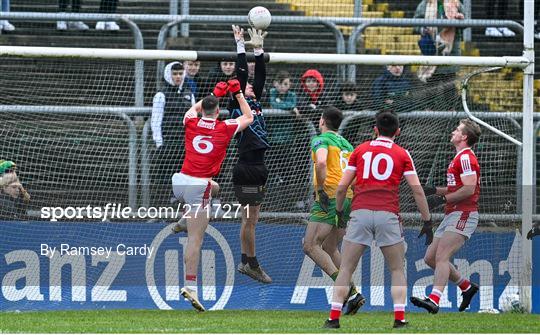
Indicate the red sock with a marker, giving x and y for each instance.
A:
(464, 284)
(435, 296)
(335, 311)
(399, 312)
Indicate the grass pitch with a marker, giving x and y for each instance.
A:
(142, 321)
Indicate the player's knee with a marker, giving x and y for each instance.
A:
(430, 261)
(441, 257)
(308, 247)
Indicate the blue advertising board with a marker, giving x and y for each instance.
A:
(103, 265)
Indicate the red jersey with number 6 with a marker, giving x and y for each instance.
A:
(206, 144)
(379, 164)
(464, 164)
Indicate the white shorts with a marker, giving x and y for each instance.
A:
(366, 225)
(191, 190)
(463, 223)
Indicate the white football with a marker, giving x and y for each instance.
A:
(259, 17)
(510, 303)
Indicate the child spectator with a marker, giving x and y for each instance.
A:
(348, 100)
(311, 95)
(192, 78)
(391, 90)
(281, 97)
(223, 71)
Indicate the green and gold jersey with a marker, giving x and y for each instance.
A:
(339, 151)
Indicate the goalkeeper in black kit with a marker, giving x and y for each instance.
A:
(250, 173)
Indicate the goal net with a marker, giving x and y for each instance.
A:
(81, 134)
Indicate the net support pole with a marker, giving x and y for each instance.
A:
(528, 182)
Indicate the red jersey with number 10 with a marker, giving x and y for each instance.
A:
(206, 144)
(463, 164)
(379, 164)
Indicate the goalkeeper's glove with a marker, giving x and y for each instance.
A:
(324, 200)
(257, 38)
(533, 232)
(340, 219)
(435, 201)
(427, 229)
(221, 89)
(429, 190)
(234, 86)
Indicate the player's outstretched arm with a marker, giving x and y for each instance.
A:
(246, 118)
(193, 111)
(241, 60)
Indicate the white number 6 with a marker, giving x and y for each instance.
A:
(201, 145)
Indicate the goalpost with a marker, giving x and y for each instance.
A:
(74, 143)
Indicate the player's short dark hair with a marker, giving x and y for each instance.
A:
(472, 130)
(209, 105)
(349, 87)
(177, 67)
(281, 76)
(387, 123)
(332, 117)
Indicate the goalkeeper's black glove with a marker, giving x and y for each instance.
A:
(429, 190)
(533, 232)
(340, 219)
(435, 201)
(427, 229)
(324, 200)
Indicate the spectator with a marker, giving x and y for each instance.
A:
(348, 100)
(168, 109)
(281, 95)
(13, 196)
(75, 8)
(107, 7)
(311, 95)
(223, 71)
(502, 9)
(192, 79)
(440, 81)
(390, 91)
(4, 24)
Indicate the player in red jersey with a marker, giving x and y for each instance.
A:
(461, 217)
(378, 167)
(206, 140)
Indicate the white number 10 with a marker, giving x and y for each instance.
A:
(374, 166)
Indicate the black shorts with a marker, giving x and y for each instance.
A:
(250, 183)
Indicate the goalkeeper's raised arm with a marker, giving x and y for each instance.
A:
(250, 173)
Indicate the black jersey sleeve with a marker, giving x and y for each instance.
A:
(260, 76)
